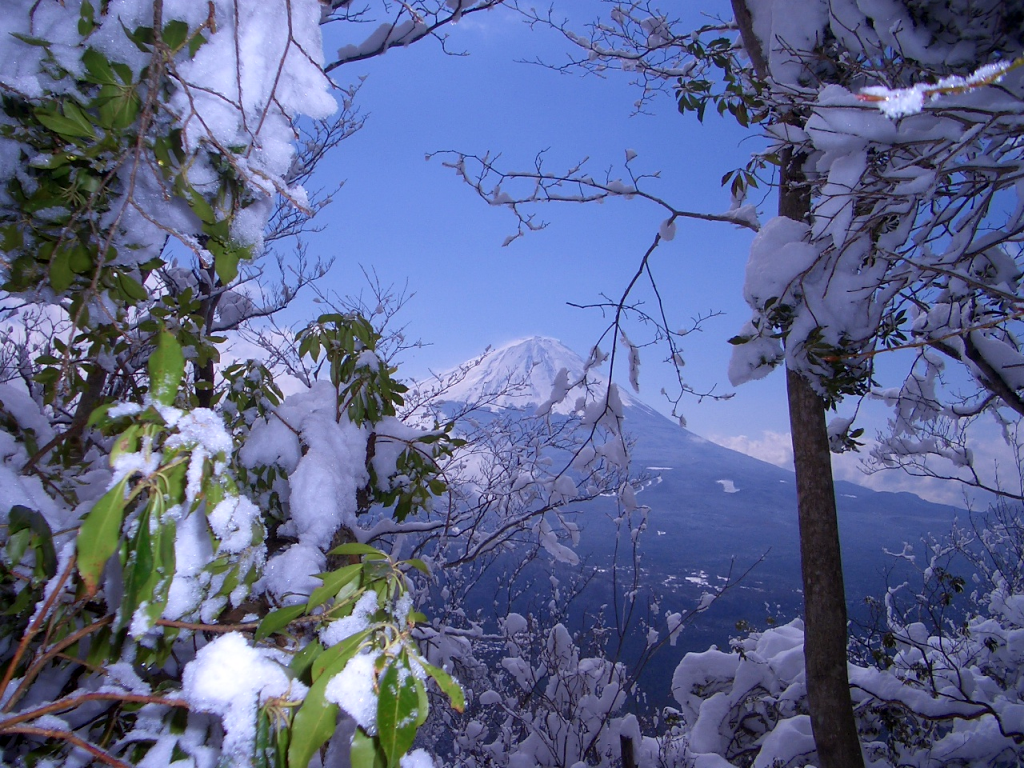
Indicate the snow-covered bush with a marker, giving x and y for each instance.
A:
(941, 688)
(549, 706)
(163, 608)
(183, 577)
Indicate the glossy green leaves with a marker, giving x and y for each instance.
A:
(166, 367)
(346, 345)
(27, 528)
(398, 710)
(99, 535)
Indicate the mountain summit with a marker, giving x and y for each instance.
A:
(525, 373)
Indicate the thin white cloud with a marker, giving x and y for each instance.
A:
(776, 448)
(773, 447)
(849, 467)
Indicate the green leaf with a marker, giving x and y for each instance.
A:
(194, 44)
(131, 287)
(447, 684)
(315, 721)
(423, 708)
(126, 442)
(98, 66)
(140, 572)
(17, 544)
(283, 735)
(25, 519)
(152, 559)
(262, 739)
(366, 752)
(20, 604)
(79, 260)
(337, 656)
(99, 415)
(214, 493)
(166, 367)
(61, 274)
(201, 208)
(100, 650)
(64, 126)
(99, 535)
(302, 662)
(30, 40)
(355, 548)
(175, 34)
(86, 19)
(120, 107)
(226, 263)
(11, 237)
(141, 36)
(333, 582)
(278, 620)
(220, 234)
(123, 71)
(397, 711)
(419, 565)
(174, 488)
(74, 112)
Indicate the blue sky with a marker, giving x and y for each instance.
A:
(413, 220)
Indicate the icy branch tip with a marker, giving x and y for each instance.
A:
(900, 102)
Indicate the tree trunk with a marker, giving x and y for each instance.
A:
(825, 659)
(626, 748)
(203, 373)
(825, 655)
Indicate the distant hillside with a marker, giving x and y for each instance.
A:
(712, 510)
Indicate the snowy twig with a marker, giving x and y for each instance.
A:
(900, 102)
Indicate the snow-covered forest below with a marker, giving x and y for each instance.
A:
(200, 570)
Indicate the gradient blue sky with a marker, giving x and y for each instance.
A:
(413, 220)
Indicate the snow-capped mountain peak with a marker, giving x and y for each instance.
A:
(528, 372)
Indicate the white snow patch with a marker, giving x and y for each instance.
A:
(230, 678)
(352, 689)
(728, 486)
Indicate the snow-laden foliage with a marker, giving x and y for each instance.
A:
(573, 717)
(915, 212)
(168, 595)
(186, 572)
(941, 686)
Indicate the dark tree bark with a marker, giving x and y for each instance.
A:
(203, 373)
(821, 563)
(825, 656)
(626, 748)
(825, 653)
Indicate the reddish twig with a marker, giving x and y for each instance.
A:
(50, 733)
(247, 627)
(33, 629)
(55, 650)
(73, 701)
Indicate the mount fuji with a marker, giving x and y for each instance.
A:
(531, 366)
(712, 512)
